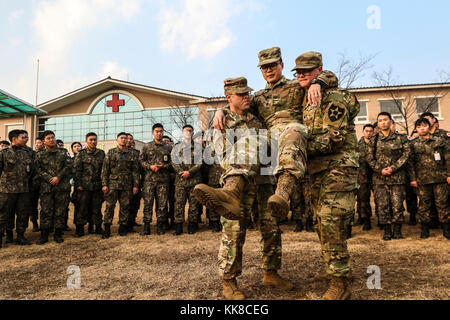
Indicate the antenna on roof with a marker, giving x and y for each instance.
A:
(37, 83)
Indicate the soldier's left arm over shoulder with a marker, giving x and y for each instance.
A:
(328, 79)
(403, 160)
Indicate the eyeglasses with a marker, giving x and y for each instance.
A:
(305, 72)
(269, 66)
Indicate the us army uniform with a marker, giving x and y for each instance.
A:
(88, 170)
(135, 202)
(301, 204)
(120, 173)
(16, 169)
(214, 172)
(156, 184)
(365, 183)
(431, 159)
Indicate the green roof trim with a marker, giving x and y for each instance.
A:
(11, 107)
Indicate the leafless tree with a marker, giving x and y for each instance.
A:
(350, 70)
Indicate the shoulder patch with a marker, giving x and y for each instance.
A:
(335, 112)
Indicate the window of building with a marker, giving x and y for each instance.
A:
(393, 107)
(429, 104)
(363, 113)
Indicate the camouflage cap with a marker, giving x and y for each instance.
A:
(269, 56)
(236, 85)
(308, 60)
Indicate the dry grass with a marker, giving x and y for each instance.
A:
(185, 267)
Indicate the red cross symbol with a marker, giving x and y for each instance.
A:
(115, 103)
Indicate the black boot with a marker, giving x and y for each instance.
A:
(446, 230)
(160, 230)
(135, 224)
(425, 231)
(66, 228)
(359, 221)
(412, 219)
(91, 228)
(171, 225)
(44, 237)
(348, 231)
(192, 228)
(123, 230)
(387, 232)
(1, 239)
(211, 224)
(217, 227)
(178, 229)
(434, 223)
(107, 232)
(79, 231)
(21, 240)
(367, 225)
(58, 236)
(298, 226)
(146, 231)
(98, 229)
(35, 226)
(9, 236)
(130, 227)
(309, 225)
(397, 231)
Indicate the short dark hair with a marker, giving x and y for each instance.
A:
(428, 114)
(166, 137)
(47, 133)
(188, 126)
(15, 134)
(74, 143)
(157, 125)
(91, 134)
(384, 113)
(59, 141)
(129, 134)
(122, 134)
(422, 121)
(39, 138)
(367, 126)
(5, 142)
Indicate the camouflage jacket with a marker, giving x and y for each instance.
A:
(54, 163)
(152, 154)
(120, 170)
(137, 153)
(442, 133)
(364, 171)
(392, 151)
(88, 169)
(332, 142)
(431, 160)
(184, 158)
(283, 102)
(215, 171)
(16, 170)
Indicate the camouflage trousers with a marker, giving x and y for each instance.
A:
(135, 204)
(291, 156)
(389, 199)
(12, 205)
(234, 232)
(157, 192)
(90, 207)
(170, 207)
(184, 194)
(411, 200)
(363, 197)
(333, 199)
(437, 192)
(301, 200)
(210, 214)
(111, 198)
(75, 199)
(54, 206)
(34, 198)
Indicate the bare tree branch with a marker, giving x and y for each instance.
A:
(349, 70)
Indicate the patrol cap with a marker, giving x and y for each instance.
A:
(269, 56)
(236, 85)
(308, 60)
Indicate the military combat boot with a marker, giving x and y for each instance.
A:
(348, 231)
(21, 240)
(178, 229)
(9, 236)
(35, 226)
(425, 231)
(397, 231)
(44, 237)
(160, 230)
(446, 230)
(58, 236)
(146, 230)
(79, 231)
(1, 239)
(309, 225)
(231, 290)
(107, 232)
(359, 221)
(225, 201)
(123, 230)
(434, 223)
(91, 228)
(387, 232)
(192, 228)
(412, 219)
(98, 229)
(339, 289)
(130, 227)
(279, 202)
(367, 225)
(272, 279)
(217, 226)
(66, 228)
(298, 226)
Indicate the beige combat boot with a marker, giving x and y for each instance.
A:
(339, 289)
(279, 202)
(231, 290)
(225, 201)
(272, 279)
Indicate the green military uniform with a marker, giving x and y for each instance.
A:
(411, 193)
(301, 200)
(34, 191)
(364, 181)
(431, 159)
(54, 199)
(120, 173)
(135, 202)
(213, 173)
(156, 184)
(88, 170)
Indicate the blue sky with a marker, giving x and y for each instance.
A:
(193, 45)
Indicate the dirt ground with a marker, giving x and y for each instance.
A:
(185, 267)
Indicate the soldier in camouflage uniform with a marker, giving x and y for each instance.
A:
(333, 165)
(34, 217)
(155, 161)
(170, 207)
(388, 157)
(364, 179)
(88, 183)
(431, 160)
(135, 202)
(301, 205)
(120, 181)
(186, 159)
(244, 185)
(279, 106)
(54, 168)
(16, 170)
